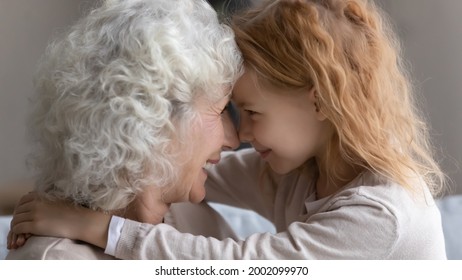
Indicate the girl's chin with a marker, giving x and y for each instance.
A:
(280, 170)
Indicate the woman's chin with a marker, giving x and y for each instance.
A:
(197, 196)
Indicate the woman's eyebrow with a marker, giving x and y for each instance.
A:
(227, 96)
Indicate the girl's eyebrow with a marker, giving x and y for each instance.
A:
(241, 104)
(237, 103)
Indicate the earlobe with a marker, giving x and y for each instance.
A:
(316, 105)
(321, 116)
(314, 99)
(319, 113)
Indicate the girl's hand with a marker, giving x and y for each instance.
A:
(14, 241)
(59, 219)
(35, 216)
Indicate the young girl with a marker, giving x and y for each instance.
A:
(341, 163)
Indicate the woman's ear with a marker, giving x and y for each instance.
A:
(314, 99)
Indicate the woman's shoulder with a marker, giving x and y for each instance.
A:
(53, 248)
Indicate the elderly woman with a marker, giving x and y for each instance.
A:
(130, 104)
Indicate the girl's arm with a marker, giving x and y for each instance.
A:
(60, 219)
(241, 179)
(318, 237)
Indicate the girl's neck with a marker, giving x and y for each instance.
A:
(327, 185)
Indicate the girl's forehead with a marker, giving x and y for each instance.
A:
(248, 89)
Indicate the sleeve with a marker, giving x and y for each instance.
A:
(115, 229)
(354, 228)
(243, 180)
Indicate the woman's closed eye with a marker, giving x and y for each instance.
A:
(225, 109)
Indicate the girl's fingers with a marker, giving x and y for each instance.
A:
(21, 240)
(23, 207)
(26, 198)
(13, 241)
(21, 224)
(24, 238)
(20, 218)
(9, 240)
(21, 228)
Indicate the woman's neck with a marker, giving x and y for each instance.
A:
(148, 206)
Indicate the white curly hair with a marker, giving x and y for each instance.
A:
(113, 93)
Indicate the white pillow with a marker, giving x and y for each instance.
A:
(243, 222)
(4, 228)
(451, 209)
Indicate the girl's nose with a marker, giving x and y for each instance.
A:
(245, 130)
(231, 141)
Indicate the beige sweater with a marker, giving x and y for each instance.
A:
(370, 218)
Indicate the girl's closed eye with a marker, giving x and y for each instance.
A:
(251, 112)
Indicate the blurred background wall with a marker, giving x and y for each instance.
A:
(25, 28)
(431, 32)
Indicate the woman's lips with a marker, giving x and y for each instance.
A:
(209, 164)
(265, 153)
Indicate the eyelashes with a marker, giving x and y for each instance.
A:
(226, 108)
(250, 112)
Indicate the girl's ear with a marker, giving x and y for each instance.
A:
(314, 99)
